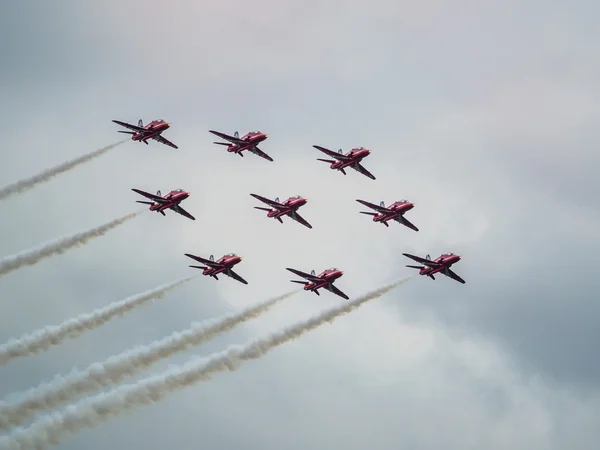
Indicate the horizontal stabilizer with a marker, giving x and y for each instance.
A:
(199, 267)
(222, 143)
(145, 203)
(368, 213)
(299, 282)
(326, 160)
(126, 132)
(415, 267)
(262, 209)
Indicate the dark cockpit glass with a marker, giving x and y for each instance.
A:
(333, 269)
(232, 254)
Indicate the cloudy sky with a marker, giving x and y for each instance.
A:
(484, 114)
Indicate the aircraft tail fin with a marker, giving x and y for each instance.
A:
(312, 272)
(277, 199)
(428, 257)
(211, 257)
(236, 135)
(382, 204)
(140, 123)
(340, 151)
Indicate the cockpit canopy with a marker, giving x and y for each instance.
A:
(178, 190)
(333, 269)
(402, 201)
(232, 254)
(295, 196)
(159, 120)
(449, 254)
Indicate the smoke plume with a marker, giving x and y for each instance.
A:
(49, 336)
(24, 185)
(31, 257)
(91, 412)
(116, 368)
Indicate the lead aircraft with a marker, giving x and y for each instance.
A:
(222, 265)
(324, 280)
(151, 130)
(441, 265)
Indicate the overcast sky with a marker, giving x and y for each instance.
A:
(484, 114)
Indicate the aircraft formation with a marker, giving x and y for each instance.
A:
(276, 209)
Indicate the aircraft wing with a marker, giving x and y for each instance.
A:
(359, 168)
(304, 275)
(179, 210)
(235, 276)
(156, 198)
(381, 209)
(130, 126)
(298, 218)
(259, 152)
(424, 261)
(164, 141)
(338, 156)
(404, 221)
(269, 202)
(331, 288)
(203, 260)
(231, 139)
(453, 275)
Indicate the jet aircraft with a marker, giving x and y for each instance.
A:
(350, 159)
(324, 280)
(395, 211)
(441, 265)
(222, 265)
(248, 142)
(288, 208)
(170, 201)
(152, 130)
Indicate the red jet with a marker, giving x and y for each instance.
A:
(169, 201)
(439, 265)
(222, 265)
(248, 142)
(324, 280)
(395, 211)
(287, 208)
(350, 159)
(143, 132)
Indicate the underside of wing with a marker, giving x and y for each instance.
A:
(404, 221)
(156, 198)
(203, 260)
(424, 261)
(360, 168)
(453, 275)
(331, 288)
(231, 139)
(130, 126)
(298, 218)
(235, 276)
(164, 141)
(267, 201)
(338, 156)
(377, 208)
(178, 209)
(259, 152)
(304, 275)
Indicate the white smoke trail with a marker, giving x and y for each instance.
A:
(93, 411)
(31, 257)
(38, 341)
(114, 369)
(24, 185)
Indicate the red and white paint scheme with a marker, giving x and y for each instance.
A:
(151, 130)
(223, 265)
(288, 208)
(171, 201)
(351, 159)
(441, 265)
(395, 211)
(248, 142)
(324, 280)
